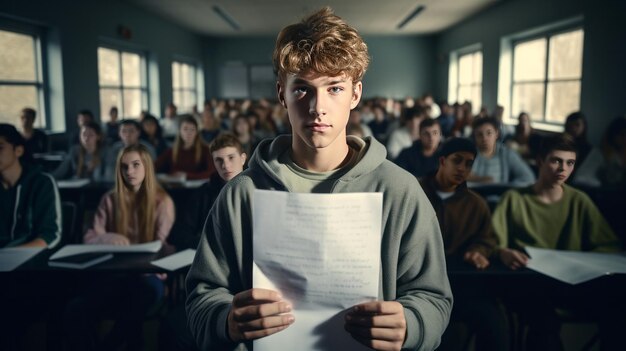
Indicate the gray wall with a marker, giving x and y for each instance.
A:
(401, 66)
(604, 78)
(81, 25)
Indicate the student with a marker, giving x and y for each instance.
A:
(467, 236)
(83, 117)
(495, 163)
(112, 126)
(210, 124)
(169, 122)
(130, 130)
(550, 214)
(320, 63)
(243, 130)
(525, 141)
(446, 119)
(153, 134)
(189, 156)
(229, 159)
(30, 207)
(36, 139)
(379, 125)
(85, 160)
(421, 158)
(136, 211)
(404, 137)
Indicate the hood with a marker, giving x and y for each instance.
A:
(265, 157)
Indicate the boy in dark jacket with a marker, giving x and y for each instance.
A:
(30, 209)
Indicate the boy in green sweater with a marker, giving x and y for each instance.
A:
(320, 63)
(550, 214)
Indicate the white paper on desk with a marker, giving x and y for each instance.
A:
(575, 267)
(176, 261)
(13, 257)
(322, 252)
(72, 183)
(70, 250)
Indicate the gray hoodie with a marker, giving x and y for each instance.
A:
(413, 269)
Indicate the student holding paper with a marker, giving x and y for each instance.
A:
(552, 215)
(137, 210)
(320, 63)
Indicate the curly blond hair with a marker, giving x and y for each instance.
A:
(323, 43)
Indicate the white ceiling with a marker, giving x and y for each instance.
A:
(267, 17)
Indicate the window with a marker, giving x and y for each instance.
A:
(21, 79)
(546, 76)
(184, 86)
(466, 76)
(123, 82)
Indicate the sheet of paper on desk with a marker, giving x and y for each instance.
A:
(13, 257)
(72, 183)
(69, 250)
(322, 252)
(575, 267)
(176, 261)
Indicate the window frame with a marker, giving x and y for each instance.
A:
(547, 34)
(143, 77)
(196, 81)
(40, 82)
(454, 74)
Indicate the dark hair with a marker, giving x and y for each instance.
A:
(479, 122)
(429, 122)
(86, 113)
(150, 118)
(225, 140)
(561, 142)
(95, 126)
(572, 117)
(616, 126)
(456, 144)
(131, 122)
(412, 112)
(29, 112)
(13, 137)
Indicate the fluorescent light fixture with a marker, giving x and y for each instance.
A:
(226, 17)
(411, 16)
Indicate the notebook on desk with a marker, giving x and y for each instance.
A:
(80, 261)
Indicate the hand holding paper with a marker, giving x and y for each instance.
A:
(378, 324)
(257, 313)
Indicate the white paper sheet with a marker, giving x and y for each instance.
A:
(322, 252)
(72, 183)
(575, 267)
(69, 250)
(176, 261)
(13, 257)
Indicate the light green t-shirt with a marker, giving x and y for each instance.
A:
(301, 180)
(572, 223)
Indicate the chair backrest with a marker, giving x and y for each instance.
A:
(69, 210)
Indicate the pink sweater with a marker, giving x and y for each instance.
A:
(102, 231)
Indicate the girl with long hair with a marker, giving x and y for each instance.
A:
(189, 156)
(137, 210)
(85, 159)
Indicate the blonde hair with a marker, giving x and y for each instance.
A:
(179, 144)
(324, 43)
(143, 201)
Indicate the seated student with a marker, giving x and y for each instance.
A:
(189, 156)
(421, 158)
(130, 130)
(169, 122)
(550, 214)
(576, 128)
(319, 83)
(404, 136)
(467, 235)
(30, 208)
(36, 139)
(379, 125)
(229, 160)
(210, 124)
(83, 117)
(112, 127)
(243, 130)
(446, 119)
(496, 163)
(524, 140)
(85, 160)
(137, 210)
(153, 134)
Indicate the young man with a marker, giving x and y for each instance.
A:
(320, 63)
(229, 159)
(550, 214)
(30, 209)
(467, 236)
(421, 158)
(130, 130)
(36, 140)
(404, 136)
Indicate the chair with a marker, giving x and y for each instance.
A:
(68, 210)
